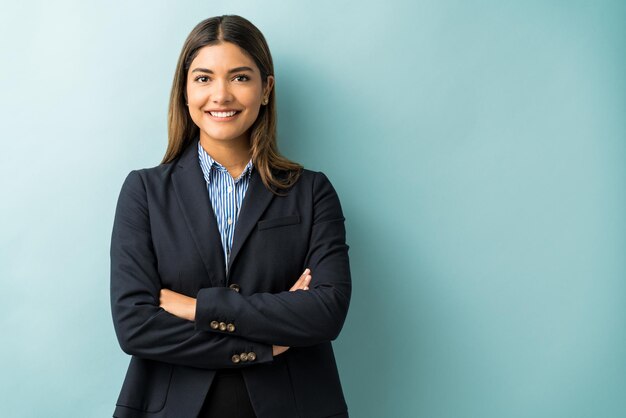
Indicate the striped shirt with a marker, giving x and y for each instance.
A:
(226, 195)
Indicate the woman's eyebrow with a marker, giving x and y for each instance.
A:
(232, 70)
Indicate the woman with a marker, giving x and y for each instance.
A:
(202, 279)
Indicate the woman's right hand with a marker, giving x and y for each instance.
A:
(301, 284)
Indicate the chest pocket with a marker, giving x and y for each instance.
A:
(276, 222)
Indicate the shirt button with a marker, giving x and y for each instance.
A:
(230, 221)
(230, 189)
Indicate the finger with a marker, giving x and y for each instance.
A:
(300, 282)
(296, 285)
(304, 285)
(306, 282)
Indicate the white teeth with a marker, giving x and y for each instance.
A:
(223, 114)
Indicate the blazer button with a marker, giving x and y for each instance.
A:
(230, 327)
(215, 324)
(243, 357)
(235, 358)
(222, 326)
(235, 287)
(251, 356)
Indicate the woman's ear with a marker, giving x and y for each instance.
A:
(269, 85)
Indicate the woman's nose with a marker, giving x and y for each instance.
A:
(221, 92)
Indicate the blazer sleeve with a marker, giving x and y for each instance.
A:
(143, 328)
(303, 317)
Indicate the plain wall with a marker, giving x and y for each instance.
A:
(478, 149)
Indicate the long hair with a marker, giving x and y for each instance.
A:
(277, 172)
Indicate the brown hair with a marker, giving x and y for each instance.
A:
(276, 171)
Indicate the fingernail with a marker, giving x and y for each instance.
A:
(307, 271)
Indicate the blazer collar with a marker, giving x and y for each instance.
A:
(191, 192)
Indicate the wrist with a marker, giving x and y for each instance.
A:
(192, 309)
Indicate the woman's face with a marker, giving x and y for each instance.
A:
(225, 92)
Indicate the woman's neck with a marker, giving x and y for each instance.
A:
(233, 155)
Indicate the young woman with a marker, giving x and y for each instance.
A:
(229, 266)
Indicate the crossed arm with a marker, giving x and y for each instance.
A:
(184, 306)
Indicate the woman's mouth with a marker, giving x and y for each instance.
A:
(223, 116)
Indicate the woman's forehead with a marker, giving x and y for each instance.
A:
(222, 57)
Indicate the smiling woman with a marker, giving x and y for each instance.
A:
(202, 75)
(214, 250)
(225, 90)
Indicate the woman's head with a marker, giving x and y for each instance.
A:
(225, 94)
(217, 43)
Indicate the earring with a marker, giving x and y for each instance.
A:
(265, 101)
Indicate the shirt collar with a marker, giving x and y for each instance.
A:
(209, 165)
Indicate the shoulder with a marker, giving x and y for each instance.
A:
(319, 181)
(324, 198)
(313, 178)
(139, 185)
(322, 191)
(149, 176)
(308, 182)
(158, 172)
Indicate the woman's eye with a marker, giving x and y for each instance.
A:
(242, 77)
(202, 78)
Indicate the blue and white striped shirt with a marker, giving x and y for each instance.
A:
(226, 195)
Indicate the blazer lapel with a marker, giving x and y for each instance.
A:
(193, 197)
(256, 200)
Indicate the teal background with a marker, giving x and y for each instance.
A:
(478, 149)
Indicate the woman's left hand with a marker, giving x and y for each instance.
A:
(178, 304)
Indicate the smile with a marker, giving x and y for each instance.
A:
(224, 114)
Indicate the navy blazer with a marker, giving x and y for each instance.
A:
(165, 236)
